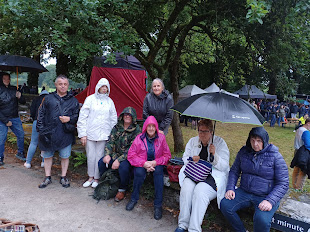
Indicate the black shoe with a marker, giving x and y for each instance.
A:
(45, 182)
(1, 161)
(64, 182)
(158, 213)
(131, 204)
(20, 156)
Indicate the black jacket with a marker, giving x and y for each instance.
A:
(9, 103)
(302, 160)
(52, 136)
(159, 107)
(35, 106)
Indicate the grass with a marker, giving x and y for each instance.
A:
(236, 135)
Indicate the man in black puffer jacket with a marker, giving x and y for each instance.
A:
(56, 121)
(9, 98)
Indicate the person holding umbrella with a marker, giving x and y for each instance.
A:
(264, 181)
(9, 99)
(196, 196)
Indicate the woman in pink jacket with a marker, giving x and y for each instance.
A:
(149, 152)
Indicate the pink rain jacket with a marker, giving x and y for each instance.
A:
(137, 154)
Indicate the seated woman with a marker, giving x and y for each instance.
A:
(116, 149)
(264, 181)
(149, 152)
(196, 196)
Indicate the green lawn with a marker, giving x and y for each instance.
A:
(236, 135)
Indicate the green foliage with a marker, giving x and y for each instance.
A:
(11, 138)
(79, 159)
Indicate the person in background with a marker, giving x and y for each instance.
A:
(264, 181)
(294, 110)
(195, 197)
(97, 118)
(302, 137)
(34, 135)
(9, 117)
(281, 115)
(57, 116)
(158, 103)
(116, 149)
(149, 153)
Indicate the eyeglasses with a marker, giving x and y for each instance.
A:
(203, 131)
(127, 114)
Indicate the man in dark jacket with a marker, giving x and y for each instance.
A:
(56, 121)
(9, 98)
(264, 181)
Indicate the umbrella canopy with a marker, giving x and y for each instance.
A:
(212, 88)
(189, 90)
(251, 91)
(20, 64)
(220, 107)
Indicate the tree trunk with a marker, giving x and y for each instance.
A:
(33, 78)
(62, 64)
(273, 83)
(176, 129)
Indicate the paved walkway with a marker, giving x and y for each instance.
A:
(58, 209)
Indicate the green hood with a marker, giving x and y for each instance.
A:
(133, 113)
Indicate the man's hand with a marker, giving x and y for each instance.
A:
(18, 94)
(212, 149)
(106, 159)
(64, 119)
(115, 164)
(265, 205)
(230, 195)
(9, 123)
(83, 140)
(196, 158)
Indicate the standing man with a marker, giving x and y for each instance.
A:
(56, 121)
(9, 98)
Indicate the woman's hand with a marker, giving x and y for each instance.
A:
(106, 159)
(265, 205)
(83, 140)
(115, 164)
(196, 158)
(212, 149)
(160, 131)
(230, 195)
(148, 165)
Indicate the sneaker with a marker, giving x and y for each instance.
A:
(179, 229)
(42, 164)
(45, 182)
(1, 161)
(27, 165)
(94, 184)
(88, 183)
(20, 156)
(64, 182)
(120, 196)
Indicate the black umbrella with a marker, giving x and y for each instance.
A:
(20, 64)
(220, 107)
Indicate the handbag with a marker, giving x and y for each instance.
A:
(9, 226)
(197, 171)
(173, 172)
(68, 127)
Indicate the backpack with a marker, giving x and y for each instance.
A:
(108, 185)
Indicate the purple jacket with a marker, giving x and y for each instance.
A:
(264, 173)
(137, 154)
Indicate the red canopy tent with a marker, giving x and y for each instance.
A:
(127, 82)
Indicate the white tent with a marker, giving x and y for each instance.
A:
(189, 91)
(212, 88)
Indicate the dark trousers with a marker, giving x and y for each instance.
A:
(123, 170)
(139, 177)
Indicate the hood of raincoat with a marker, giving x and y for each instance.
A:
(150, 120)
(128, 110)
(102, 82)
(260, 132)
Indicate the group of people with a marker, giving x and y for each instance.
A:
(118, 143)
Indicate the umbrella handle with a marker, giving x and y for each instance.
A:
(211, 155)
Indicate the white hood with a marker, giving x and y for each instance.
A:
(102, 82)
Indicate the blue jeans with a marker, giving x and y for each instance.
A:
(123, 170)
(243, 199)
(280, 119)
(33, 143)
(17, 128)
(139, 177)
(273, 120)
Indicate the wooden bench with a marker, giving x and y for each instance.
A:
(290, 121)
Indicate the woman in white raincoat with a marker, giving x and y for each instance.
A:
(96, 120)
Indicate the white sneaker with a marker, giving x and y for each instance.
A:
(94, 184)
(88, 183)
(27, 165)
(42, 164)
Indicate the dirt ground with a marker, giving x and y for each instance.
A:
(68, 209)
